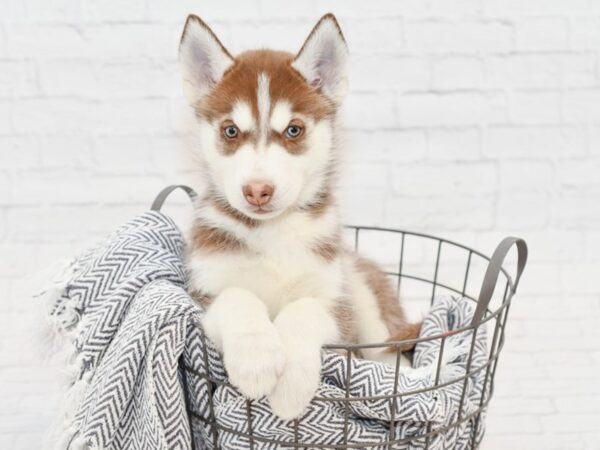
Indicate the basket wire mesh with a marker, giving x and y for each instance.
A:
(492, 293)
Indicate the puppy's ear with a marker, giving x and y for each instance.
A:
(322, 59)
(202, 58)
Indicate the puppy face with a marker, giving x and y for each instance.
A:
(265, 119)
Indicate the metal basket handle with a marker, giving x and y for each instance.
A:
(162, 195)
(493, 271)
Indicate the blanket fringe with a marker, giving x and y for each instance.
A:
(66, 440)
(76, 384)
(53, 333)
(58, 327)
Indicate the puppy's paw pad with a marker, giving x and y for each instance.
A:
(254, 362)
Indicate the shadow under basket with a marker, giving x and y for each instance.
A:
(424, 268)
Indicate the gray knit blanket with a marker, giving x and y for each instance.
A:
(142, 374)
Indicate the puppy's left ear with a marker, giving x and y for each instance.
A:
(323, 57)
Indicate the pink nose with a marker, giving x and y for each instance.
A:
(258, 193)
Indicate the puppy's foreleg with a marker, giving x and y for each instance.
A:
(304, 325)
(238, 323)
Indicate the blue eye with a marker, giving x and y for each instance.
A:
(293, 131)
(230, 131)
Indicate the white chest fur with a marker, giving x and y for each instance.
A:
(278, 266)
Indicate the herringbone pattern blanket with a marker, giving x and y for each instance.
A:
(124, 319)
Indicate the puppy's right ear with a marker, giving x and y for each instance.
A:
(202, 57)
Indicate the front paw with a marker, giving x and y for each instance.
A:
(254, 361)
(296, 387)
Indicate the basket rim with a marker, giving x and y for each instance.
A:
(433, 237)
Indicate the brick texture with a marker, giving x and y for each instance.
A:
(471, 119)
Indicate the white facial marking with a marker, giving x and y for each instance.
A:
(242, 116)
(264, 102)
(281, 115)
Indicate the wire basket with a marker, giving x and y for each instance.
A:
(424, 267)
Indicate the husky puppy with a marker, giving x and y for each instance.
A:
(265, 250)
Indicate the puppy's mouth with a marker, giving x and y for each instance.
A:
(262, 212)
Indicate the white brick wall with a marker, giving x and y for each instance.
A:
(471, 119)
